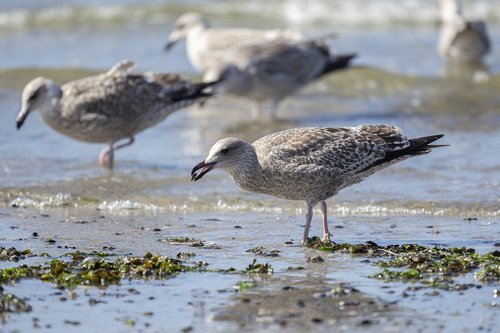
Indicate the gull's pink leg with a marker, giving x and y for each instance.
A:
(326, 232)
(106, 157)
(309, 216)
(125, 144)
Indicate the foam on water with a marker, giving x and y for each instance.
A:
(248, 204)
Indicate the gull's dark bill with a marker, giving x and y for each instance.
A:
(203, 169)
(21, 118)
(169, 45)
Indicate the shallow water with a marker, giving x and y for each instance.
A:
(52, 185)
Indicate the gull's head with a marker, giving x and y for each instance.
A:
(184, 24)
(229, 154)
(41, 95)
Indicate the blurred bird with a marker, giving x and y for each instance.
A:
(273, 70)
(260, 65)
(109, 107)
(312, 163)
(461, 41)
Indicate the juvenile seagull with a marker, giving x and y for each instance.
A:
(312, 163)
(274, 70)
(110, 106)
(461, 41)
(260, 65)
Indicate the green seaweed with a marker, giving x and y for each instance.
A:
(437, 263)
(245, 285)
(97, 271)
(317, 243)
(82, 255)
(255, 268)
(261, 251)
(185, 255)
(177, 240)
(230, 270)
(12, 274)
(182, 240)
(490, 273)
(430, 265)
(295, 268)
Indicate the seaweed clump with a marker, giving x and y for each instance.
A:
(12, 254)
(98, 271)
(261, 251)
(369, 248)
(255, 268)
(433, 266)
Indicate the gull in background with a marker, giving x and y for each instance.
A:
(259, 65)
(109, 107)
(273, 70)
(461, 41)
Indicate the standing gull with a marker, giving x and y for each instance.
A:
(312, 163)
(260, 65)
(109, 107)
(461, 41)
(273, 70)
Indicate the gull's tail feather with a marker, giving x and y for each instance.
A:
(418, 146)
(338, 62)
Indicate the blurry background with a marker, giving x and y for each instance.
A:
(389, 34)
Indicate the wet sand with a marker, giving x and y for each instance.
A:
(300, 294)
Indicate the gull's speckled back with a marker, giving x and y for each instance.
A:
(117, 104)
(314, 163)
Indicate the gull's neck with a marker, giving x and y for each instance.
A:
(248, 172)
(50, 110)
(52, 115)
(196, 45)
(451, 11)
(196, 30)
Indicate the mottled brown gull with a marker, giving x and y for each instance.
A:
(313, 163)
(109, 107)
(461, 40)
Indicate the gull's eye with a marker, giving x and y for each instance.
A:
(224, 151)
(33, 95)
